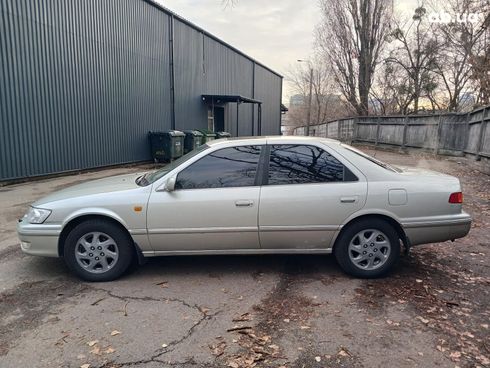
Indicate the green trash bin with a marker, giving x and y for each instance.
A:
(207, 136)
(166, 146)
(222, 135)
(192, 140)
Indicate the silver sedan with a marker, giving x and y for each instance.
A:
(249, 196)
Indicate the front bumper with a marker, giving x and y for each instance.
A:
(39, 240)
(425, 231)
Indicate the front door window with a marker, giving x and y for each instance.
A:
(224, 168)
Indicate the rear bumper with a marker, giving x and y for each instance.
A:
(437, 230)
(39, 240)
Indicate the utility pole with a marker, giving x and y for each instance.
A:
(308, 114)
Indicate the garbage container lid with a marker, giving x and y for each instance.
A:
(175, 133)
(195, 133)
(208, 133)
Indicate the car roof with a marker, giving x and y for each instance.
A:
(277, 139)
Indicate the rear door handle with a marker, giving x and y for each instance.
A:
(244, 203)
(348, 199)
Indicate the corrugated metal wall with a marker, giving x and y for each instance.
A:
(82, 82)
(190, 112)
(268, 89)
(226, 72)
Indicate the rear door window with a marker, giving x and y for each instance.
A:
(305, 164)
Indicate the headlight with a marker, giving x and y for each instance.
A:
(37, 215)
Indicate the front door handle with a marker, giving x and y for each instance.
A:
(348, 199)
(244, 203)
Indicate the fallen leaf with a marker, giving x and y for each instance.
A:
(115, 332)
(318, 359)
(85, 365)
(163, 284)
(455, 356)
(305, 327)
(422, 319)
(242, 318)
(418, 280)
(286, 320)
(164, 345)
(96, 350)
(109, 350)
(92, 343)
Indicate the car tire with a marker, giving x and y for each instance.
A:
(98, 250)
(368, 248)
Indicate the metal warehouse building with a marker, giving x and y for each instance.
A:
(82, 83)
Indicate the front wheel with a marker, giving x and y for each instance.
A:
(368, 248)
(98, 250)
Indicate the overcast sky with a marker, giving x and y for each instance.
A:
(276, 33)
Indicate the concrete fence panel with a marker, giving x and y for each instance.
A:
(333, 129)
(447, 133)
(391, 133)
(421, 136)
(474, 133)
(366, 131)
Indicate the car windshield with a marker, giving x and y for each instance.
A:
(152, 176)
(372, 159)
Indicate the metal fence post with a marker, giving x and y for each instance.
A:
(467, 133)
(438, 135)
(355, 129)
(405, 126)
(483, 130)
(377, 130)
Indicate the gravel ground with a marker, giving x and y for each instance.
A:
(241, 311)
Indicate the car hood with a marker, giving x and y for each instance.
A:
(100, 186)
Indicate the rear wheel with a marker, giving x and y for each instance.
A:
(368, 248)
(98, 250)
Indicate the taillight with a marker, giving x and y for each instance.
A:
(456, 197)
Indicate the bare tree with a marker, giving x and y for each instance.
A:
(415, 50)
(326, 103)
(351, 36)
(460, 51)
(392, 91)
(480, 58)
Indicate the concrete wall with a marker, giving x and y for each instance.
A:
(449, 134)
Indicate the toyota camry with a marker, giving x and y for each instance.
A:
(259, 195)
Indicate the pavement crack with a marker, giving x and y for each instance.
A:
(171, 346)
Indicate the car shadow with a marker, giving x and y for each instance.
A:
(217, 266)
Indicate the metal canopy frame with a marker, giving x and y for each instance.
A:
(219, 99)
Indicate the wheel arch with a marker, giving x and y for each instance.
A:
(389, 219)
(74, 221)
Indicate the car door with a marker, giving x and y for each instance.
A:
(308, 194)
(214, 205)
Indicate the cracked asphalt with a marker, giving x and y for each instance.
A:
(245, 311)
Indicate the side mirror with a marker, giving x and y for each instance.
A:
(170, 184)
